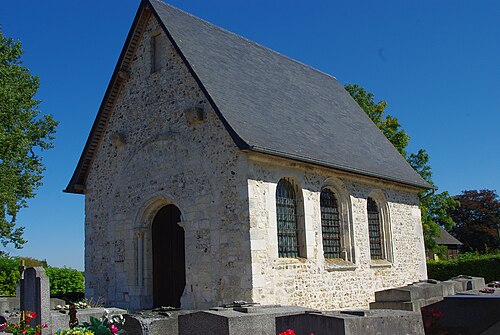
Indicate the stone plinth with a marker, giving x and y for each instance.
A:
(150, 323)
(467, 283)
(353, 322)
(251, 320)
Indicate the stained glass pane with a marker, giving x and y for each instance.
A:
(330, 224)
(374, 230)
(286, 210)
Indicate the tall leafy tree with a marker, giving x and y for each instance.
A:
(434, 207)
(24, 133)
(478, 220)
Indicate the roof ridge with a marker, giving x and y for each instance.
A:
(246, 39)
(305, 80)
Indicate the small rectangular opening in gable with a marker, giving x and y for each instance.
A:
(156, 49)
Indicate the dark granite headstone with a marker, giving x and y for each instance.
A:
(353, 323)
(258, 320)
(34, 295)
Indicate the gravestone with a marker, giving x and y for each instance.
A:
(353, 323)
(472, 312)
(417, 295)
(259, 320)
(34, 294)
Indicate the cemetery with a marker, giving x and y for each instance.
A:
(222, 199)
(461, 305)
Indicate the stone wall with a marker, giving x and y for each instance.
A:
(152, 155)
(330, 284)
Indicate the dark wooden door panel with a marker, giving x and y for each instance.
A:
(169, 272)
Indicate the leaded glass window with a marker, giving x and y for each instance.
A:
(330, 224)
(374, 230)
(286, 211)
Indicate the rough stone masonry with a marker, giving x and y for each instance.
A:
(156, 151)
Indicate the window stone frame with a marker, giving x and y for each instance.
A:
(300, 219)
(348, 259)
(380, 199)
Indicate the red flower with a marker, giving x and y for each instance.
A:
(32, 315)
(113, 329)
(288, 332)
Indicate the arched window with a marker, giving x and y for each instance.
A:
(375, 230)
(330, 224)
(286, 212)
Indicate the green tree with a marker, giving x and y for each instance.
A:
(24, 133)
(478, 220)
(9, 275)
(434, 207)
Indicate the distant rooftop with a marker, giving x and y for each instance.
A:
(446, 238)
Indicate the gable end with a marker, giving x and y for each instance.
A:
(120, 76)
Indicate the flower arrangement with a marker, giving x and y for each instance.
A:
(74, 331)
(106, 325)
(23, 327)
(78, 305)
(290, 332)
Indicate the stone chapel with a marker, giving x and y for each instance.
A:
(219, 170)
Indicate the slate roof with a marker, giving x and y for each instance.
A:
(272, 104)
(446, 238)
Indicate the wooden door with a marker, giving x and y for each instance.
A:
(169, 272)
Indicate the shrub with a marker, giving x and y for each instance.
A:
(471, 264)
(9, 275)
(64, 280)
(30, 262)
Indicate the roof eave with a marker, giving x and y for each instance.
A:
(419, 185)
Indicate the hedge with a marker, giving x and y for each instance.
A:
(487, 266)
(62, 280)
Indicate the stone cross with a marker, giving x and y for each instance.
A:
(35, 296)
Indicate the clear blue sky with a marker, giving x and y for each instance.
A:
(436, 63)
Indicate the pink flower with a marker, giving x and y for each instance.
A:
(113, 329)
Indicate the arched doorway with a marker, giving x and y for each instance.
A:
(169, 272)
